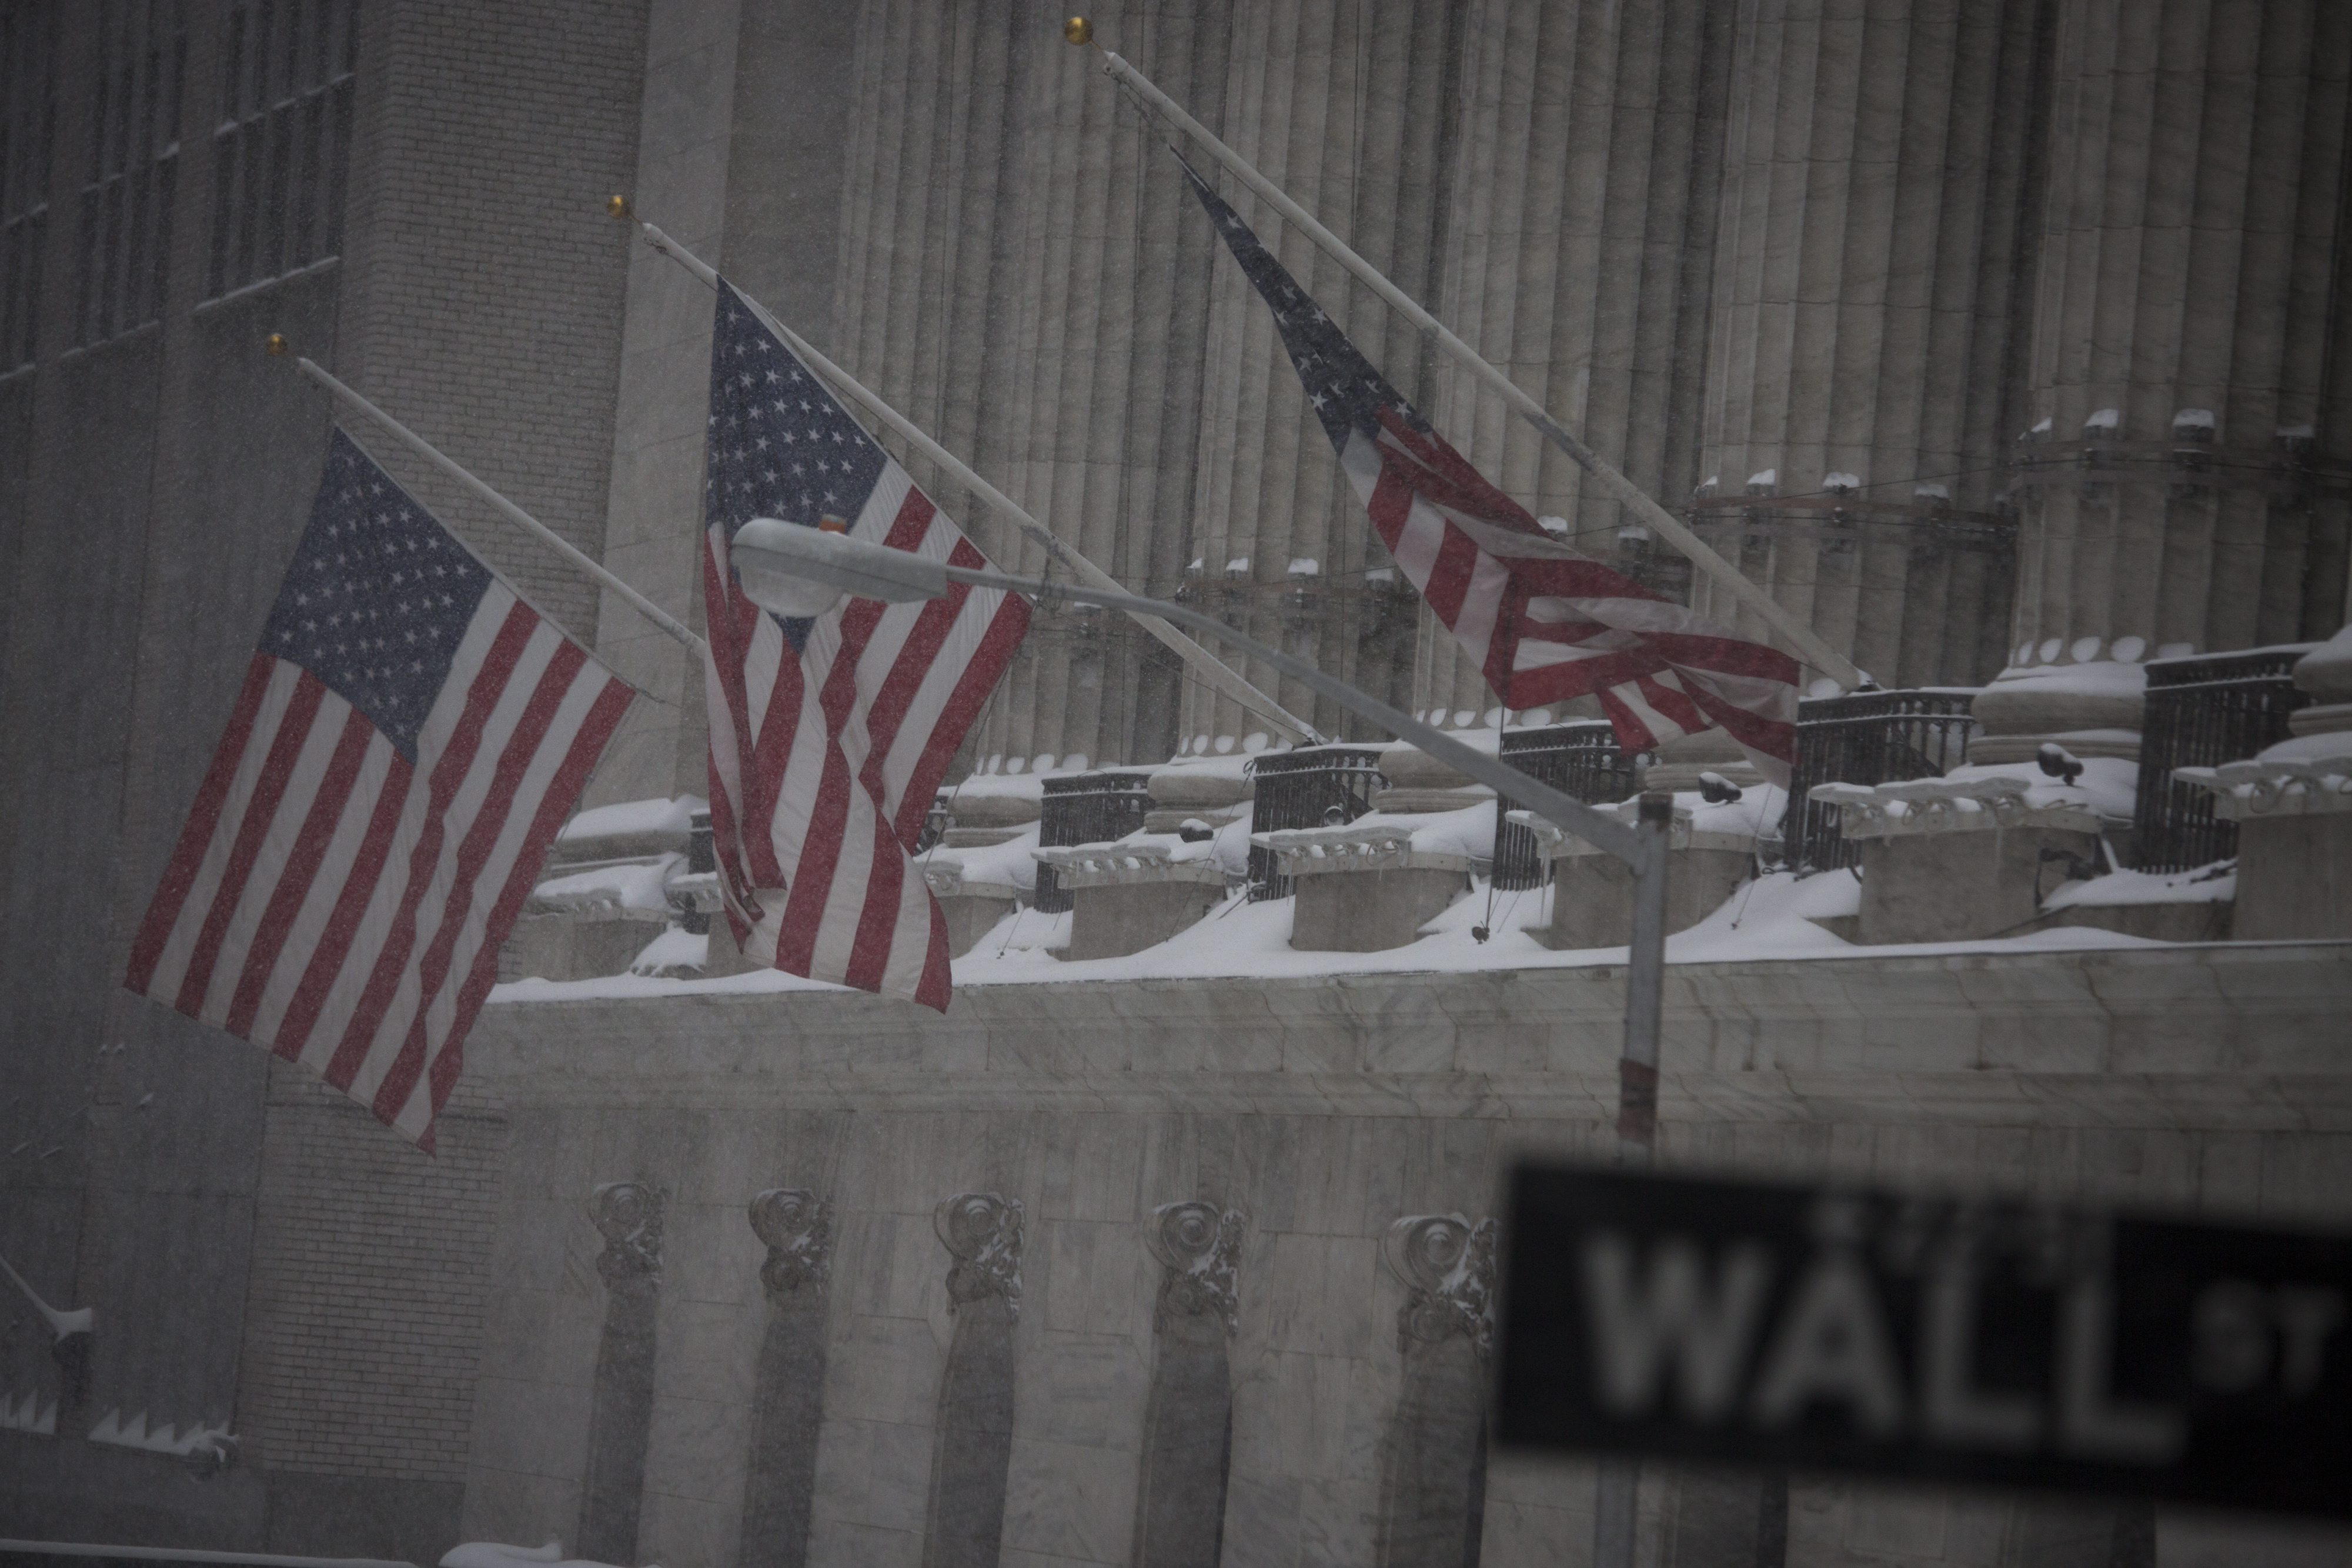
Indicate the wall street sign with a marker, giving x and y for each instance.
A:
(1836, 1327)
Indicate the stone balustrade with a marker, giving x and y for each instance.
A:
(1714, 850)
(2293, 806)
(1338, 910)
(1134, 893)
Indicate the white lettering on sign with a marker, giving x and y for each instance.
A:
(1831, 1347)
(1672, 1317)
(1951, 1407)
(2091, 1423)
(2245, 1334)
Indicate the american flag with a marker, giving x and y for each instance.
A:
(409, 738)
(1545, 623)
(828, 736)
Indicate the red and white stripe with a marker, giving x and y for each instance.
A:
(1547, 623)
(333, 903)
(824, 765)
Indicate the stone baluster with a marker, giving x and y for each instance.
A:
(1180, 1509)
(788, 1394)
(628, 1215)
(973, 1441)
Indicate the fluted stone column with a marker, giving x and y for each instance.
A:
(1349, 108)
(1579, 237)
(1877, 177)
(2189, 338)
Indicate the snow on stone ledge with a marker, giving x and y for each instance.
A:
(493, 1554)
(2207, 884)
(2101, 677)
(1010, 864)
(632, 817)
(1773, 918)
(638, 888)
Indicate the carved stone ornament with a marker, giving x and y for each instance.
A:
(1448, 1264)
(984, 1233)
(1200, 1245)
(797, 1226)
(629, 1216)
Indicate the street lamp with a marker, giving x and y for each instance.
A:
(795, 571)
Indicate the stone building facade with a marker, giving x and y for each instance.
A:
(1723, 237)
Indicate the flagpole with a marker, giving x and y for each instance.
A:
(1218, 673)
(1800, 637)
(506, 508)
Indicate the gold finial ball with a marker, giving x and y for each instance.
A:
(617, 206)
(274, 345)
(1078, 30)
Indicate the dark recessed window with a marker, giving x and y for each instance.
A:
(126, 206)
(283, 140)
(28, 119)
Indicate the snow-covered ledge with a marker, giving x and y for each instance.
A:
(2310, 776)
(1948, 806)
(1386, 846)
(1127, 864)
(1695, 826)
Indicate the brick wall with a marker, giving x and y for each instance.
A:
(371, 1275)
(483, 290)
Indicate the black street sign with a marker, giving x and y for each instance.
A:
(1837, 1328)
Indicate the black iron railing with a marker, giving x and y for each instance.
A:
(2214, 709)
(1086, 809)
(1865, 737)
(1579, 760)
(1301, 788)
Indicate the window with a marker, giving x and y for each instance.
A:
(283, 140)
(126, 207)
(28, 114)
